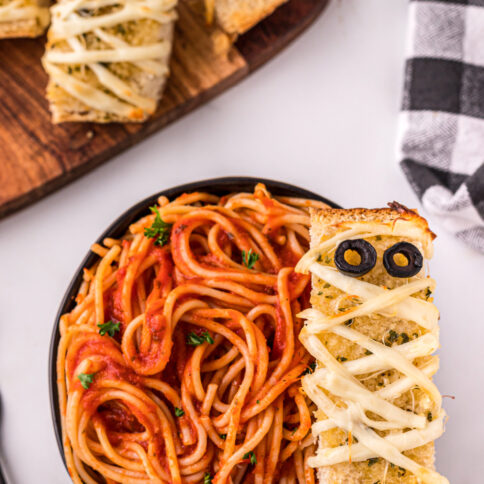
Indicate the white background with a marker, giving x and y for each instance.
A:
(322, 115)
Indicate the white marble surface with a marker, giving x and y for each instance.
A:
(322, 115)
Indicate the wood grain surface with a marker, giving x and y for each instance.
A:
(37, 157)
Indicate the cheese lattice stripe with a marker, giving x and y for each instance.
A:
(23, 18)
(109, 56)
(373, 338)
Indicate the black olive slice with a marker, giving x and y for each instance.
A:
(366, 252)
(410, 252)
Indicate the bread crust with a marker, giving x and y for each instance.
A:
(21, 28)
(236, 17)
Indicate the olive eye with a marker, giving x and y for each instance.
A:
(406, 251)
(366, 252)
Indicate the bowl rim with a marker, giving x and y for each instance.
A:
(219, 186)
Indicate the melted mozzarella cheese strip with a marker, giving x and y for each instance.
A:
(115, 96)
(340, 378)
(23, 10)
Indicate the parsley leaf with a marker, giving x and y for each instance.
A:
(223, 436)
(179, 412)
(194, 340)
(207, 478)
(249, 258)
(250, 455)
(372, 461)
(86, 379)
(109, 328)
(159, 230)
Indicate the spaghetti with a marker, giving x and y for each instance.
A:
(180, 362)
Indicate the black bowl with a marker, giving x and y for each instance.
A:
(217, 186)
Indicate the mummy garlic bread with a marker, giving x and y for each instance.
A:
(373, 330)
(107, 60)
(23, 18)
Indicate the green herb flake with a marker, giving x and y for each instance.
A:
(179, 412)
(86, 379)
(194, 340)
(378, 237)
(341, 358)
(429, 416)
(326, 285)
(372, 461)
(159, 230)
(349, 322)
(320, 293)
(428, 293)
(250, 455)
(110, 328)
(393, 336)
(223, 436)
(249, 258)
(310, 369)
(368, 352)
(258, 401)
(207, 478)
(405, 338)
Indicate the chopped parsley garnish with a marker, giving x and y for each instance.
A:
(327, 260)
(223, 436)
(258, 401)
(349, 322)
(429, 417)
(405, 338)
(194, 340)
(326, 285)
(159, 230)
(109, 328)
(310, 369)
(401, 471)
(428, 293)
(249, 258)
(250, 455)
(179, 412)
(86, 379)
(341, 358)
(372, 461)
(378, 237)
(207, 478)
(320, 293)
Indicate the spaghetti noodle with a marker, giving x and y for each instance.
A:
(180, 362)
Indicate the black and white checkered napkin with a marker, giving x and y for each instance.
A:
(442, 122)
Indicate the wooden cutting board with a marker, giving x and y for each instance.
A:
(37, 157)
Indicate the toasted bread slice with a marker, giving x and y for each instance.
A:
(23, 18)
(378, 412)
(108, 64)
(237, 16)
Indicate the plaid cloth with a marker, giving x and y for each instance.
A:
(442, 119)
